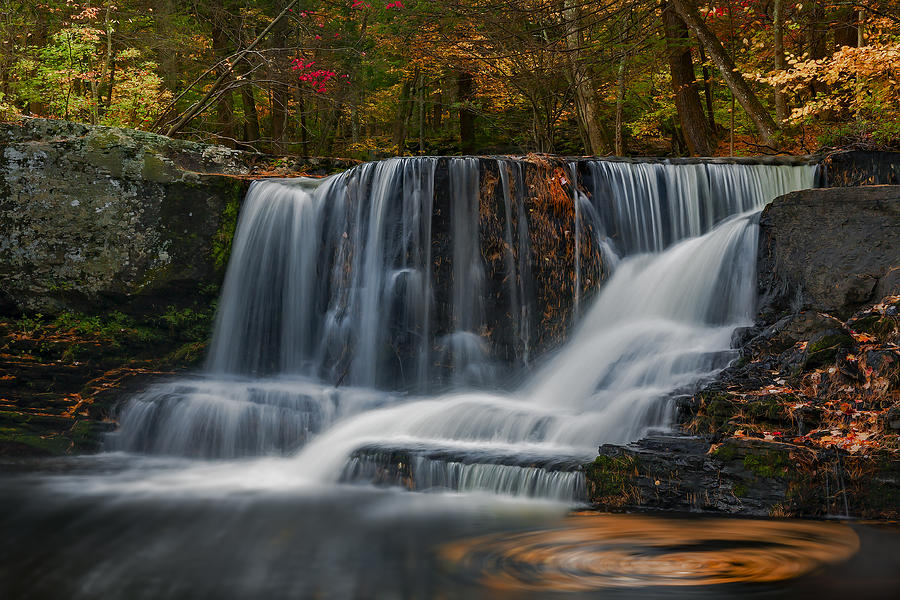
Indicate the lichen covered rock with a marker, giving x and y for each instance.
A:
(98, 216)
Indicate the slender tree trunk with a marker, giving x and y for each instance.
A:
(252, 131)
(815, 39)
(781, 112)
(620, 101)
(251, 114)
(437, 112)
(465, 86)
(225, 102)
(860, 29)
(585, 91)
(707, 92)
(694, 123)
(279, 117)
(422, 115)
(304, 135)
(767, 127)
(404, 109)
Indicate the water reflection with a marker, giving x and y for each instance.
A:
(591, 551)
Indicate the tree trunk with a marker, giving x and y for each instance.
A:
(781, 112)
(707, 92)
(225, 102)
(585, 94)
(465, 86)
(815, 35)
(694, 123)
(437, 112)
(251, 114)
(767, 127)
(620, 101)
(422, 114)
(304, 137)
(404, 110)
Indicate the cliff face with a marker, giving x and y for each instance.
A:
(113, 244)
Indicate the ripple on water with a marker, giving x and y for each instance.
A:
(591, 551)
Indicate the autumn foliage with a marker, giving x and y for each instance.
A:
(375, 78)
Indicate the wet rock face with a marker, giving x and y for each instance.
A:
(830, 250)
(92, 216)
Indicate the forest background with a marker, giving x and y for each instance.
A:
(374, 78)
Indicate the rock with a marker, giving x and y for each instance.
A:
(791, 329)
(93, 217)
(829, 250)
(686, 473)
(745, 476)
(824, 346)
(891, 418)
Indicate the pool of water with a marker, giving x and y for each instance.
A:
(122, 526)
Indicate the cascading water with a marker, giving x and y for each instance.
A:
(341, 321)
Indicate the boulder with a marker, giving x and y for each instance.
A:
(829, 250)
(99, 216)
(93, 218)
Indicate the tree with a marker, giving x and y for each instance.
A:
(694, 122)
(730, 73)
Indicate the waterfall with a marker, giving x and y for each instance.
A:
(360, 311)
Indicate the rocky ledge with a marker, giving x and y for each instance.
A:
(807, 421)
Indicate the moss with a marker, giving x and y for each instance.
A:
(769, 408)
(739, 489)
(191, 353)
(838, 340)
(103, 138)
(609, 478)
(24, 435)
(725, 452)
(87, 435)
(221, 240)
(823, 351)
(768, 464)
(156, 169)
(884, 329)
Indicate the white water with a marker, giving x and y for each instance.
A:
(329, 303)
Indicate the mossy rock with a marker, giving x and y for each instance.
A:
(822, 349)
(609, 478)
